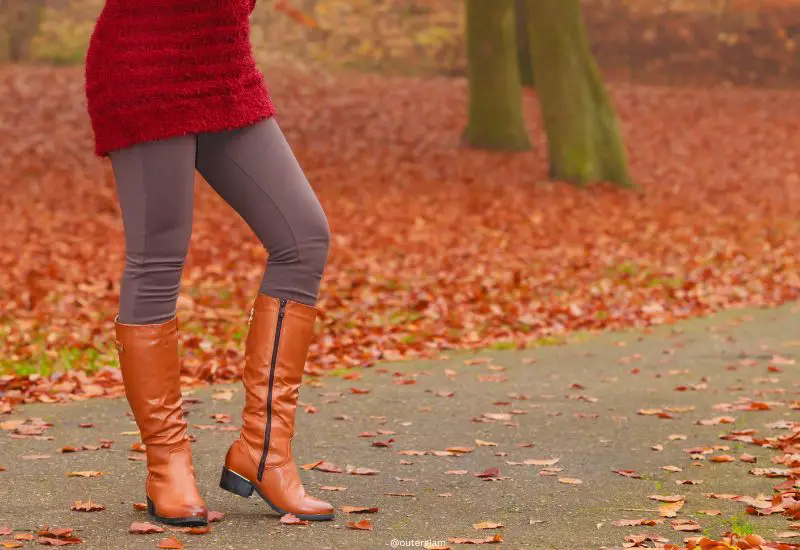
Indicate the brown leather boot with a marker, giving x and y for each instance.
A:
(261, 459)
(148, 356)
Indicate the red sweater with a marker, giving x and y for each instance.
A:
(164, 68)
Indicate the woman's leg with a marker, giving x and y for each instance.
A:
(154, 184)
(254, 170)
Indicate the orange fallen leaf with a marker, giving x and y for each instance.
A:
(722, 458)
(570, 480)
(359, 510)
(144, 528)
(361, 471)
(487, 525)
(171, 543)
(670, 509)
(686, 525)
(628, 473)
(325, 466)
(667, 498)
(88, 506)
(291, 519)
(542, 462)
(363, 525)
(200, 530)
(636, 522)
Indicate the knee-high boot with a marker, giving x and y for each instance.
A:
(261, 459)
(148, 356)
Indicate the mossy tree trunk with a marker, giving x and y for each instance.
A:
(523, 44)
(495, 96)
(19, 23)
(582, 130)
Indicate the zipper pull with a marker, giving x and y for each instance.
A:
(282, 308)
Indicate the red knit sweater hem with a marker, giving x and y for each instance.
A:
(114, 137)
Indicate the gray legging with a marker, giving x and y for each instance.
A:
(254, 170)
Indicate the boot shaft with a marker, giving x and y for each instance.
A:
(277, 346)
(148, 357)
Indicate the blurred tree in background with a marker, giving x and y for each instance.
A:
(495, 95)
(523, 44)
(584, 142)
(19, 24)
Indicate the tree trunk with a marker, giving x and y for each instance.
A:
(523, 44)
(582, 131)
(495, 96)
(20, 21)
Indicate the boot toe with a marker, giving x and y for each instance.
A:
(318, 507)
(198, 511)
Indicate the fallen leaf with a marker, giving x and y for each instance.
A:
(487, 525)
(170, 542)
(628, 473)
(636, 522)
(358, 510)
(361, 471)
(88, 506)
(290, 519)
(363, 525)
(570, 480)
(670, 509)
(541, 462)
(686, 525)
(144, 528)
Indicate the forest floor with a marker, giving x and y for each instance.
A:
(434, 246)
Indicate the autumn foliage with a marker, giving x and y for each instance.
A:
(433, 246)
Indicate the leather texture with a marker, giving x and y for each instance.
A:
(280, 482)
(148, 356)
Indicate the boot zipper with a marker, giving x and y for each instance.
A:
(268, 429)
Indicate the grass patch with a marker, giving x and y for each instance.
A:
(88, 360)
(742, 526)
(503, 345)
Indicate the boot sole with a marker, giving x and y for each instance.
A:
(181, 522)
(238, 485)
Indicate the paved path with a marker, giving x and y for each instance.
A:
(577, 403)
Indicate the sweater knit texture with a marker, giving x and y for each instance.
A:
(163, 68)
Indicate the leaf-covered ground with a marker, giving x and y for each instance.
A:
(434, 246)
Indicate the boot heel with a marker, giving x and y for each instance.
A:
(235, 483)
